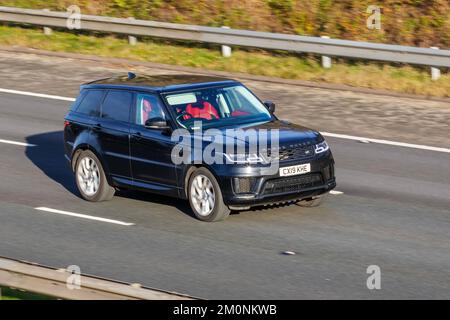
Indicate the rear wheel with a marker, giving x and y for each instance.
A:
(90, 178)
(205, 196)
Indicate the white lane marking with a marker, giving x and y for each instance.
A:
(388, 142)
(34, 94)
(336, 192)
(327, 134)
(17, 143)
(84, 216)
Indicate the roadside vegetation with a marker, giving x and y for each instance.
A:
(16, 294)
(422, 23)
(403, 79)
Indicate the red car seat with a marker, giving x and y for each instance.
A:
(203, 110)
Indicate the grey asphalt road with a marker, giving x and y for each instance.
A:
(394, 213)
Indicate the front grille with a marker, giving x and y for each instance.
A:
(293, 184)
(292, 153)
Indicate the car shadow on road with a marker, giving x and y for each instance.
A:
(48, 156)
(180, 205)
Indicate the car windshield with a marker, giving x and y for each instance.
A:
(217, 107)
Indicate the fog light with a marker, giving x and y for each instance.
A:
(243, 185)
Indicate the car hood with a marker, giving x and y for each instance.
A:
(289, 134)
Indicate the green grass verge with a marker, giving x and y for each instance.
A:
(15, 294)
(404, 79)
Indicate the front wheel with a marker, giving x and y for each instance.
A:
(91, 179)
(205, 196)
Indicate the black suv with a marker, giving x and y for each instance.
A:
(159, 134)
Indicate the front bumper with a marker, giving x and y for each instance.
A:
(249, 186)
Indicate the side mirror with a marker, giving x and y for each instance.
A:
(270, 106)
(157, 123)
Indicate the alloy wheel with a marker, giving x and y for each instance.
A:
(88, 175)
(202, 195)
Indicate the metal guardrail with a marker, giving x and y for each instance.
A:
(53, 282)
(263, 40)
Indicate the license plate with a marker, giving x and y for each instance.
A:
(295, 170)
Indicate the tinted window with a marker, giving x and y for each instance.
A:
(77, 102)
(218, 107)
(117, 105)
(148, 107)
(91, 103)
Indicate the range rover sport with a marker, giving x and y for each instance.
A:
(119, 135)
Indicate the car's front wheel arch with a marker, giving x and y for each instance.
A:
(216, 211)
(190, 169)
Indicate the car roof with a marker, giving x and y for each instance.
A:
(158, 83)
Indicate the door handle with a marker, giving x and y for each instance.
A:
(97, 127)
(137, 135)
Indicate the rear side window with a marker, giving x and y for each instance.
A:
(77, 102)
(91, 103)
(117, 106)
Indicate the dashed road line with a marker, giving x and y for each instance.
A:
(387, 142)
(83, 216)
(23, 144)
(34, 94)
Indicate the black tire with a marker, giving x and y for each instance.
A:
(104, 192)
(313, 202)
(220, 211)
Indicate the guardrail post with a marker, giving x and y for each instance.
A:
(226, 50)
(435, 72)
(132, 40)
(326, 61)
(47, 30)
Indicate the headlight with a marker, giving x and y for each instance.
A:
(321, 147)
(244, 158)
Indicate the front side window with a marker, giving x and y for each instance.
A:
(90, 104)
(217, 107)
(117, 106)
(148, 107)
